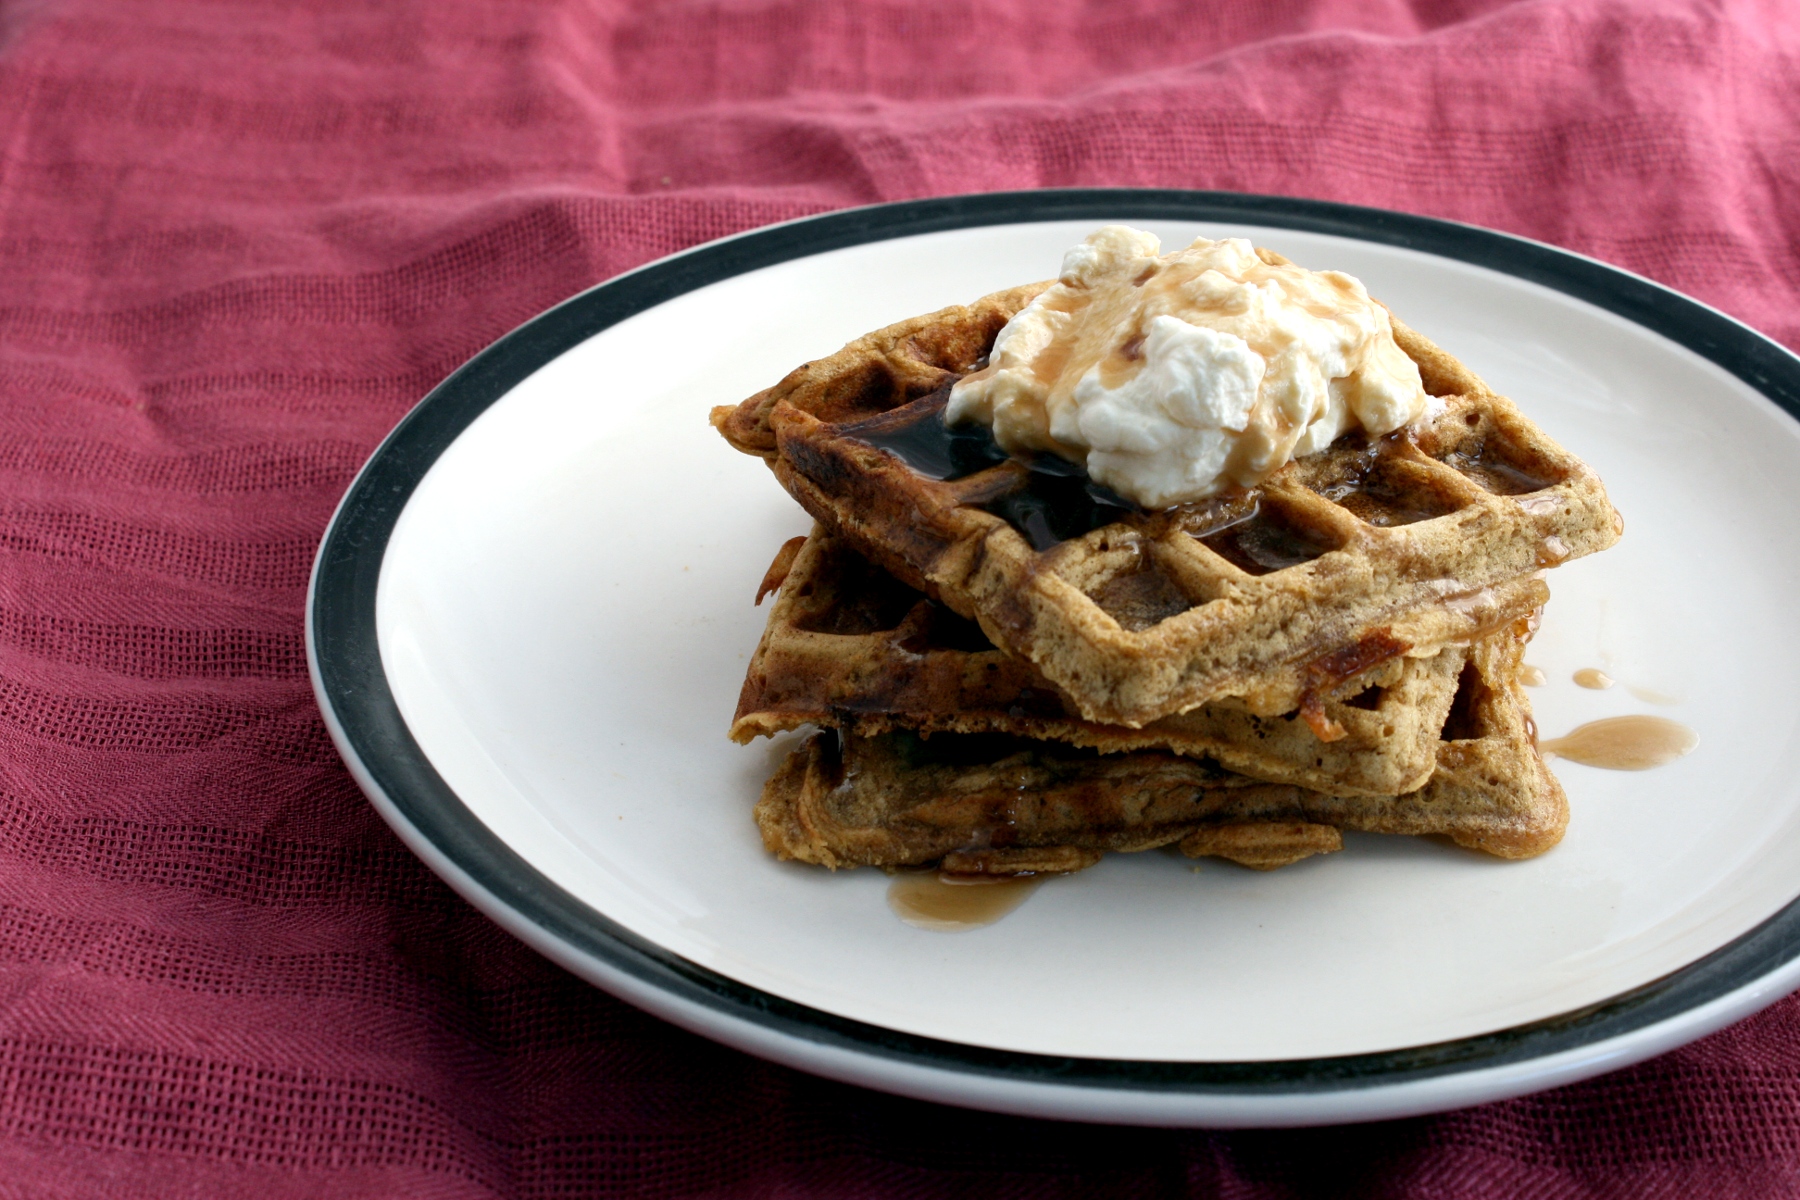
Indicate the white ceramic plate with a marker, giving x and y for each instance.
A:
(531, 617)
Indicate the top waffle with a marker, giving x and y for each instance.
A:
(1364, 552)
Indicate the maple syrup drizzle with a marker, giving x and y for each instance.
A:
(1052, 502)
(1652, 696)
(1634, 743)
(1492, 471)
(1593, 679)
(947, 903)
(1368, 491)
(916, 434)
(1532, 676)
(1263, 541)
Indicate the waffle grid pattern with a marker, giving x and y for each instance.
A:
(849, 647)
(1156, 613)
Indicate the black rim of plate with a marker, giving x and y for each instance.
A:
(348, 661)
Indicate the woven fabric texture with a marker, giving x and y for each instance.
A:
(238, 238)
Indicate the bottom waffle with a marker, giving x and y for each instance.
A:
(1000, 804)
(980, 804)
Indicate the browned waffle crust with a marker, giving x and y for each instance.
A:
(848, 646)
(1397, 547)
(992, 806)
(1001, 805)
(881, 370)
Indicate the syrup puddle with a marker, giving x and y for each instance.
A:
(952, 903)
(1652, 696)
(1593, 678)
(1634, 743)
(1532, 676)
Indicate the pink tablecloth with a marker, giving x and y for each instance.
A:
(238, 238)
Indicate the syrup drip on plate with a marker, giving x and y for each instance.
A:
(1634, 743)
(1532, 676)
(1593, 679)
(1653, 696)
(946, 903)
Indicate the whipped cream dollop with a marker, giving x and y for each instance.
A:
(1174, 377)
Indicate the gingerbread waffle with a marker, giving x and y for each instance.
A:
(1364, 552)
(996, 804)
(848, 646)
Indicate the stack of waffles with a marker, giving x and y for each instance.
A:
(1010, 670)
